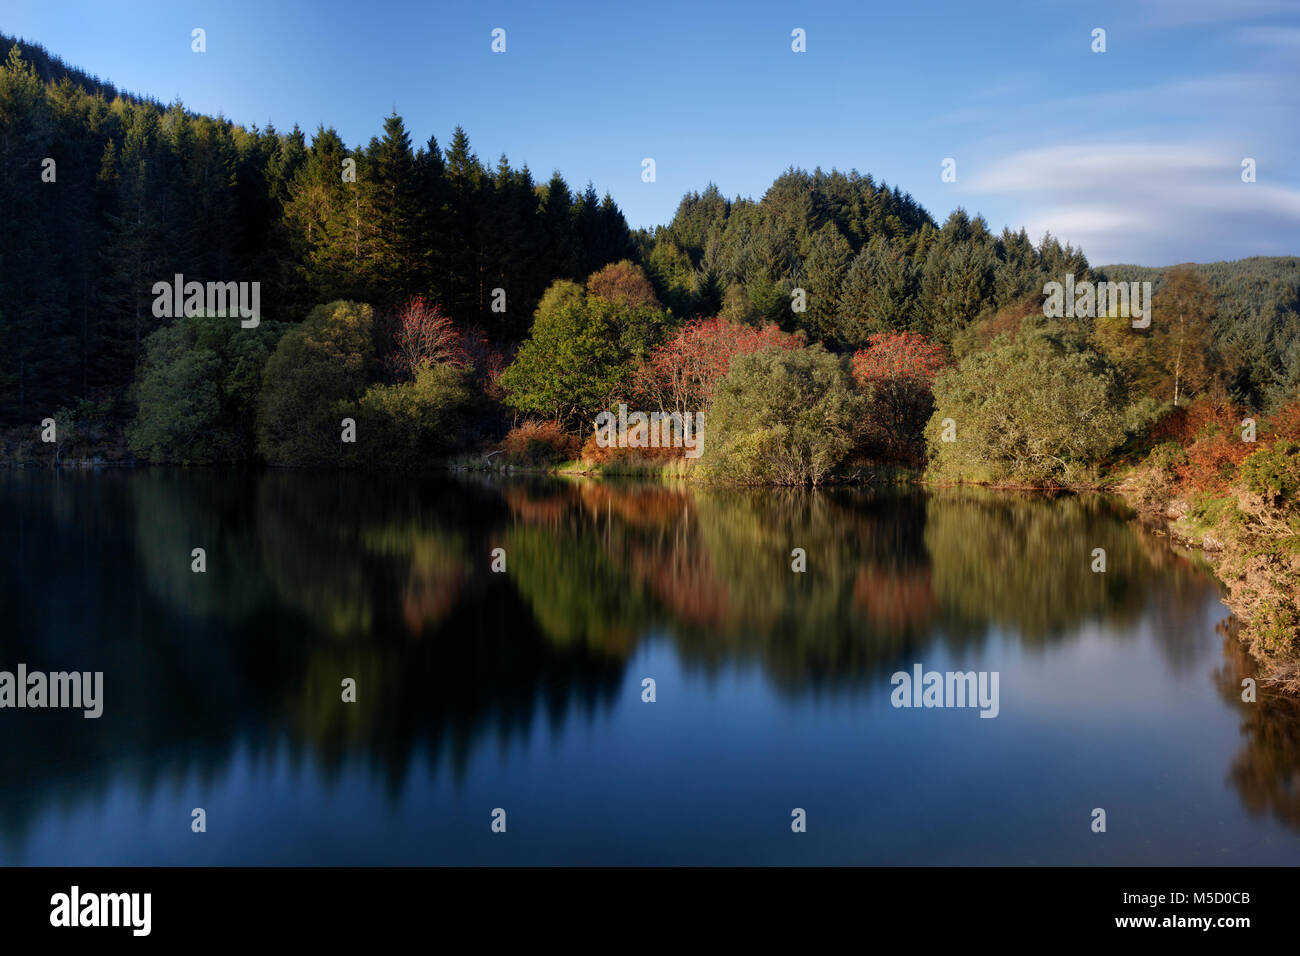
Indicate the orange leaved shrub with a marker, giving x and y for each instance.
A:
(594, 454)
(1283, 423)
(1213, 445)
(539, 443)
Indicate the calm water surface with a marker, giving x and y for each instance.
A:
(522, 690)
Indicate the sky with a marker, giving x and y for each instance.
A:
(1134, 154)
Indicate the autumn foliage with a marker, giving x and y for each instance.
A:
(536, 443)
(1283, 423)
(1210, 435)
(898, 357)
(423, 335)
(896, 372)
(488, 361)
(682, 373)
(593, 453)
(623, 283)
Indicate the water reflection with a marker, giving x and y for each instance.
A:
(1266, 772)
(312, 578)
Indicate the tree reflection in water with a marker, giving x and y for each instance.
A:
(312, 578)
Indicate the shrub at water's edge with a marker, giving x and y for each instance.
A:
(197, 390)
(1238, 500)
(1025, 412)
(782, 417)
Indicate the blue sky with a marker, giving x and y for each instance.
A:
(1134, 153)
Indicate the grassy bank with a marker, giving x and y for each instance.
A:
(1238, 501)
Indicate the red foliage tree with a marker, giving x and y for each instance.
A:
(424, 335)
(682, 373)
(899, 356)
(488, 361)
(535, 442)
(896, 371)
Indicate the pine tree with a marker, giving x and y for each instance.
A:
(137, 251)
(879, 293)
(400, 268)
(35, 340)
(469, 296)
(825, 267)
(557, 218)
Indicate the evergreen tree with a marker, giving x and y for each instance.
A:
(824, 269)
(879, 293)
(35, 339)
(136, 252)
(401, 267)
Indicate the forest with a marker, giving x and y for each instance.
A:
(445, 305)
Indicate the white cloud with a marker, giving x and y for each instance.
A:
(1270, 36)
(1147, 202)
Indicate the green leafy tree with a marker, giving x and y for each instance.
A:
(411, 424)
(580, 352)
(316, 373)
(1029, 411)
(196, 395)
(783, 417)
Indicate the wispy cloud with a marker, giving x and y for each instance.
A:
(1287, 37)
(1144, 201)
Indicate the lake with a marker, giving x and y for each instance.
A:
(522, 690)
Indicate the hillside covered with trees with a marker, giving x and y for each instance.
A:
(533, 303)
(1256, 321)
(144, 191)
